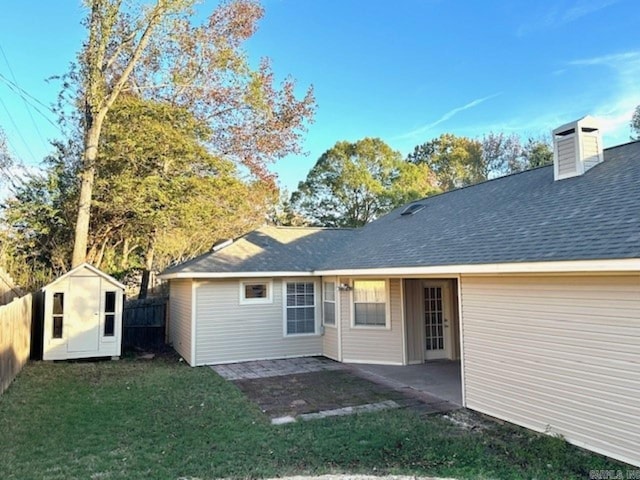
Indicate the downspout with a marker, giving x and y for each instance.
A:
(461, 335)
(403, 320)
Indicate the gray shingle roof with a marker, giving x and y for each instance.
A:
(525, 217)
(270, 249)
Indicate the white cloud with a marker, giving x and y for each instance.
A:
(563, 13)
(616, 108)
(613, 106)
(451, 113)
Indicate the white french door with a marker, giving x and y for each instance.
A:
(437, 312)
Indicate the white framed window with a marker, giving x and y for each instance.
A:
(109, 327)
(299, 307)
(58, 315)
(329, 303)
(256, 292)
(370, 304)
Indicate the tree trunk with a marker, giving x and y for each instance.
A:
(146, 273)
(97, 105)
(103, 247)
(124, 263)
(86, 192)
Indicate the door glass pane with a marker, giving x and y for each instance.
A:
(434, 318)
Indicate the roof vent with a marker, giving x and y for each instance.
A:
(577, 147)
(411, 209)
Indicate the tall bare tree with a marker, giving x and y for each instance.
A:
(155, 52)
(115, 45)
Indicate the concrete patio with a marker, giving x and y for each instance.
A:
(439, 378)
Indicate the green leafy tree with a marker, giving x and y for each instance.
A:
(354, 183)
(160, 192)
(537, 153)
(454, 161)
(38, 218)
(284, 214)
(160, 196)
(156, 52)
(460, 161)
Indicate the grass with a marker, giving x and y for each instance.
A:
(162, 419)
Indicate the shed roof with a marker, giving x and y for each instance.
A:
(90, 268)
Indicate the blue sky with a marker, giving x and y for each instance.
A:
(402, 70)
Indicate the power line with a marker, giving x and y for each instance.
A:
(27, 97)
(15, 126)
(26, 104)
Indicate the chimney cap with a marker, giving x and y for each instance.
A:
(587, 123)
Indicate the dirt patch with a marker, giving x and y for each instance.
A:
(313, 392)
(468, 421)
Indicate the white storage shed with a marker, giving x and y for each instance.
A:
(82, 315)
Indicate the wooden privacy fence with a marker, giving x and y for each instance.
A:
(15, 338)
(144, 323)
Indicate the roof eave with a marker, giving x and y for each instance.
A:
(568, 266)
(91, 268)
(629, 265)
(213, 275)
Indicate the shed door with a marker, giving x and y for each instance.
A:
(83, 319)
(436, 320)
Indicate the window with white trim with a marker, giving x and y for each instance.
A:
(370, 303)
(300, 308)
(329, 303)
(109, 314)
(58, 315)
(255, 292)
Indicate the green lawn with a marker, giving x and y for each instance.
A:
(162, 419)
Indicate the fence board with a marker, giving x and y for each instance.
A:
(144, 323)
(15, 338)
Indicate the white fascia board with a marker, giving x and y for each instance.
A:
(170, 276)
(615, 265)
(92, 269)
(569, 266)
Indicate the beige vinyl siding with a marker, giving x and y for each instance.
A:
(373, 344)
(557, 354)
(180, 317)
(330, 342)
(229, 332)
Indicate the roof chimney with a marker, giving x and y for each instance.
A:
(577, 147)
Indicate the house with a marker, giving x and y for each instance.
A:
(82, 315)
(531, 280)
